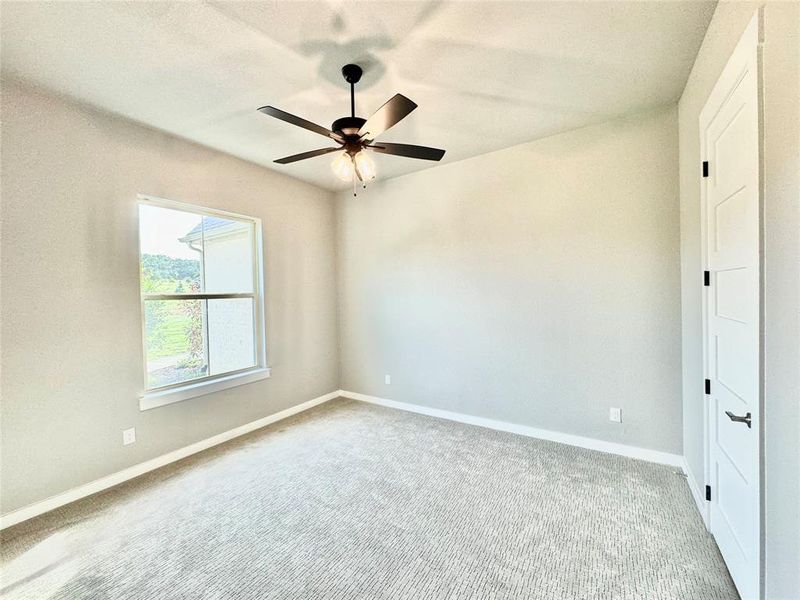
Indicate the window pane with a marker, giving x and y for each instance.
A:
(230, 335)
(228, 255)
(177, 350)
(171, 245)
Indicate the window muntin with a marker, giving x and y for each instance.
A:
(200, 288)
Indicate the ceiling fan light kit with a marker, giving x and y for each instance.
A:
(354, 135)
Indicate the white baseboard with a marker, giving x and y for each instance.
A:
(699, 499)
(38, 508)
(655, 456)
(98, 485)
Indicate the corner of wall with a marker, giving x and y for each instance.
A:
(336, 206)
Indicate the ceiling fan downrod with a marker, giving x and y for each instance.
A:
(352, 75)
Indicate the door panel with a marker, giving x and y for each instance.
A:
(732, 352)
(728, 303)
(729, 215)
(729, 130)
(733, 489)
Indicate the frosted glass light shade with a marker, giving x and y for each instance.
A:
(365, 165)
(342, 166)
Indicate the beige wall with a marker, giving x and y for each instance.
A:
(537, 285)
(781, 264)
(71, 329)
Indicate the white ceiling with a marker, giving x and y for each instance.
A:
(486, 75)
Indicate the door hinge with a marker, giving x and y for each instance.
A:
(708, 493)
(705, 168)
(706, 278)
(708, 386)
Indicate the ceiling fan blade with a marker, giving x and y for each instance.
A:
(391, 113)
(408, 150)
(305, 155)
(300, 122)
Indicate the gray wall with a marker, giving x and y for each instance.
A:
(71, 329)
(537, 285)
(781, 260)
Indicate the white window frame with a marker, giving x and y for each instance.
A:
(152, 398)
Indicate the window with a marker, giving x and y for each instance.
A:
(202, 306)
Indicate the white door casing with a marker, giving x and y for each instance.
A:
(731, 207)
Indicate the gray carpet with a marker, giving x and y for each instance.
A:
(354, 501)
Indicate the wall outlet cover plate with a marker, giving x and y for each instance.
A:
(128, 436)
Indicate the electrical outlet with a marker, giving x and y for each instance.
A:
(615, 415)
(387, 379)
(128, 436)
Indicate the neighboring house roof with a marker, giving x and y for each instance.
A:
(213, 227)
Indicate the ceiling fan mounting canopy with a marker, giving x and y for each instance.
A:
(352, 73)
(354, 134)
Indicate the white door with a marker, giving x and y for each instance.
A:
(729, 131)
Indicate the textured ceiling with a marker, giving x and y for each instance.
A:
(486, 75)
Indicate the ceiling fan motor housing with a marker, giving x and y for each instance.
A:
(348, 126)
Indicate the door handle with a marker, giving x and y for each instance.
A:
(745, 419)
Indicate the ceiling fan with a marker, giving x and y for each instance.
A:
(354, 135)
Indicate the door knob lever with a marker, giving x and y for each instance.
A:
(745, 419)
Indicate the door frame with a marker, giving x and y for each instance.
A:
(749, 44)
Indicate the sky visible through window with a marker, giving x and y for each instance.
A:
(160, 229)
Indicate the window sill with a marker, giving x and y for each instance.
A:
(193, 390)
